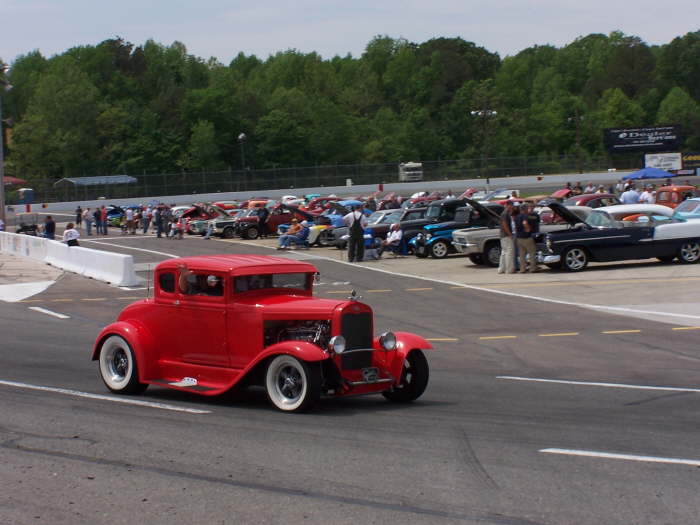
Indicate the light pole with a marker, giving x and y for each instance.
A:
(484, 115)
(4, 86)
(241, 139)
(576, 120)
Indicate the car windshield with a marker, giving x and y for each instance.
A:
(600, 219)
(688, 207)
(391, 218)
(246, 283)
(376, 218)
(433, 211)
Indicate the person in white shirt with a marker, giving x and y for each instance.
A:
(71, 235)
(87, 219)
(356, 223)
(589, 189)
(393, 239)
(630, 196)
(648, 196)
(130, 224)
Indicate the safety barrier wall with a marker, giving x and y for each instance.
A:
(114, 268)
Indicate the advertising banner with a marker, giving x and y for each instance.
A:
(663, 161)
(691, 160)
(652, 138)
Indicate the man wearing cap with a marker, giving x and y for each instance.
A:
(356, 223)
(647, 196)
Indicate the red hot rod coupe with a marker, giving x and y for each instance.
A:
(219, 320)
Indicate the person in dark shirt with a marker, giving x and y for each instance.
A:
(49, 227)
(526, 226)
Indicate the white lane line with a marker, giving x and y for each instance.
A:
(628, 457)
(608, 385)
(49, 312)
(100, 397)
(172, 256)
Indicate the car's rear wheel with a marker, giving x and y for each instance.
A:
(689, 252)
(118, 367)
(228, 232)
(492, 254)
(476, 258)
(575, 259)
(251, 233)
(292, 385)
(414, 379)
(439, 250)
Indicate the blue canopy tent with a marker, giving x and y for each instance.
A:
(649, 173)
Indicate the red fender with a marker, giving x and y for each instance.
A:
(405, 342)
(299, 349)
(135, 334)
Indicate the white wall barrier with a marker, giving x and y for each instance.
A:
(114, 268)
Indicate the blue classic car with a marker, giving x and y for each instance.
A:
(688, 209)
(436, 239)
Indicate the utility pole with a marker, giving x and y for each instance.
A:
(4, 86)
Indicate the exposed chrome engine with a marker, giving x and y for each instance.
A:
(316, 332)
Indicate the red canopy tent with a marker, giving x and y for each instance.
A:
(11, 181)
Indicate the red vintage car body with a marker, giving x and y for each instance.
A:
(318, 204)
(215, 342)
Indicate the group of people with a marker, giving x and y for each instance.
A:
(518, 225)
(70, 234)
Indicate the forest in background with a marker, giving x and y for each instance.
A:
(120, 108)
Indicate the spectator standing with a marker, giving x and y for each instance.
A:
(525, 228)
(578, 189)
(158, 221)
(648, 195)
(103, 220)
(630, 196)
(620, 187)
(147, 216)
(166, 217)
(356, 223)
(87, 219)
(506, 262)
(2, 225)
(97, 216)
(130, 221)
(78, 217)
(263, 215)
(49, 227)
(71, 235)
(371, 204)
(590, 188)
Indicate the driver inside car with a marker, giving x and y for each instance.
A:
(191, 283)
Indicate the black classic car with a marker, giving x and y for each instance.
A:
(379, 223)
(618, 233)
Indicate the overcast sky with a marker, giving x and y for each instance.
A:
(222, 29)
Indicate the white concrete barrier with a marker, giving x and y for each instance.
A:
(113, 268)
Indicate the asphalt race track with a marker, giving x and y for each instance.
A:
(536, 413)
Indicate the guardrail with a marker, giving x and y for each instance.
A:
(113, 268)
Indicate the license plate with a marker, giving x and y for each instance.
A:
(370, 375)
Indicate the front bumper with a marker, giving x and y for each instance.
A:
(548, 258)
(465, 247)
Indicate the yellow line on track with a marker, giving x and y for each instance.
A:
(94, 299)
(444, 339)
(341, 291)
(621, 332)
(134, 298)
(686, 328)
(417, 289)
(61, 300)
(484, 338)
(563, 334)
(377, 291)
(31, 301)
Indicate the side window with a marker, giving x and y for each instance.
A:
(202, 284)
(166, 281)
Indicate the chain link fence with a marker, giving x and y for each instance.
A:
(257, 181)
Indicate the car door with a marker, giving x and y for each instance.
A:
(197, 322)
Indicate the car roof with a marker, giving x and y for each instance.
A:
(590, 196)
(637, 208)
(240, 264)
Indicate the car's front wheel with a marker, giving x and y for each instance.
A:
(228, 232)
(575, 259)
(476, 258)
(492, 253)
(292, 385)
(689, 252)
(251, 233)
(414, 379)
(118, 367)
(439, 250)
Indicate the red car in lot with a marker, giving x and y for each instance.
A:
(218, 321)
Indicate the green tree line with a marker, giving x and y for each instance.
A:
(121, 108)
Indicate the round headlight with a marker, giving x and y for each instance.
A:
(388, 340)
(428, 236)
(419, 236)
(337, 344)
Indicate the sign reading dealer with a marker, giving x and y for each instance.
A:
(652, 138)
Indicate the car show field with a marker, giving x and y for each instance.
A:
(554, 397)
